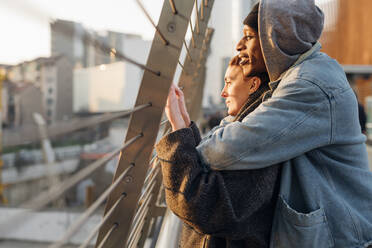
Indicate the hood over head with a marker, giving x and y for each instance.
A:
(287, 29)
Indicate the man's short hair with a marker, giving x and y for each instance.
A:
(264, 76)
(252, 19)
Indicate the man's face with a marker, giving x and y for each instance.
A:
(250, 53)
(237, 89)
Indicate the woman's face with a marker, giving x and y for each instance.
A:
(237, 89)
(250, 52)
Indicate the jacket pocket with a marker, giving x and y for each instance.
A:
(294, 229)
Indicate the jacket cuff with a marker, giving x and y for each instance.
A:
(172, 147)
(196, 132)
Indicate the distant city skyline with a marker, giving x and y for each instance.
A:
(24, 24)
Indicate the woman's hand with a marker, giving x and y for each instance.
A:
(182, 105)
(173, 110)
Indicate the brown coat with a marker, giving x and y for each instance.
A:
(219, 208)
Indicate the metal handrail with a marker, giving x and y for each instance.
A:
(151, 172)
(137, 211)
(197, 17)
(106, 217)
(104, 240)
(148, 185)
(192, 34)
(144, 202)
(110, 212)
(187, 49)
(83, 218)
(139, 218)
(29, 134)
(56, 191)
(136, 234)
(164, 122)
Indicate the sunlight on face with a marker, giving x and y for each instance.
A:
(237, 89)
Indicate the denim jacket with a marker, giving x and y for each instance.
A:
(310, 123)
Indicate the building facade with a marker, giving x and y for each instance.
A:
(52, 77)
(79, 44)
(67, 39)
(111, 85)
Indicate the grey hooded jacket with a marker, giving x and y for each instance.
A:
(309, 122)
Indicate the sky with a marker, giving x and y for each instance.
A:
(24, 24)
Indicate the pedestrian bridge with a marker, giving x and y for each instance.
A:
(135, 213)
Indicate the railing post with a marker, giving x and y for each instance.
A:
(171, 223)
(189, 77)
(199, 79)
(195, 63)
(154, 89)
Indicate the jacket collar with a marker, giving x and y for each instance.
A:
(302, 58)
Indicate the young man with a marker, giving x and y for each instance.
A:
(309, 122)
(219, 209)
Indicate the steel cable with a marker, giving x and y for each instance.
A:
(56, 191)
(106, 217)
(187, 50)
(104, 240)
(142, 7)
(192, 35)
(83, 218)
(197, 17)
(173, 6)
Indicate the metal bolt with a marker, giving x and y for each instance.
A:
(171, 27)
(128, 179)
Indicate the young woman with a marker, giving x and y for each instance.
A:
(218, 208)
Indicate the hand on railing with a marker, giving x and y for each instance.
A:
(182, 105)
(175, 109)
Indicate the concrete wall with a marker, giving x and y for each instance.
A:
(48, 83)
(28, 101)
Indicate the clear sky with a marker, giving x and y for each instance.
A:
(24, 24)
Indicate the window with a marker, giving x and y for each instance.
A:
(50, 101)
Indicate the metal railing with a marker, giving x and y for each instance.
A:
(135, 199)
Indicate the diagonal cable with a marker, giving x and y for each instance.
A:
(142, 7)
(83, 218)
(53, 193)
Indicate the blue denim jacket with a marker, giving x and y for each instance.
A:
(310, 124)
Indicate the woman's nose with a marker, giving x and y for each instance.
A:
(240, 46)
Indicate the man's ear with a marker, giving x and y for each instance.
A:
(255, 84)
